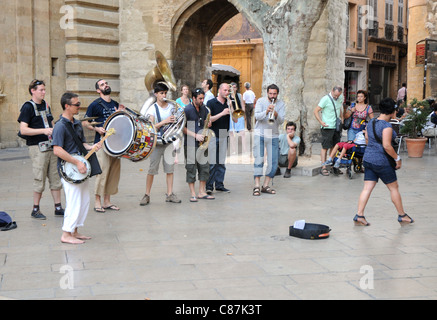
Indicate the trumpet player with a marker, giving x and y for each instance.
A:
(266, 137)
(161, 113)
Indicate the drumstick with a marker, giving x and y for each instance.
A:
(108, 133)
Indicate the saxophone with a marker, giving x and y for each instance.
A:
(206, 132)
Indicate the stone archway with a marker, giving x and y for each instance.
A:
(193, 28)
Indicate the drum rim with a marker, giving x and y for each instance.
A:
(105, 125)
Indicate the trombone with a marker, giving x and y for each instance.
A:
(238, 112)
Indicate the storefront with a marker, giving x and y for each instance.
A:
(383, 72)
(355, 77)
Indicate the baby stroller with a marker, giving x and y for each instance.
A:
(352, 159)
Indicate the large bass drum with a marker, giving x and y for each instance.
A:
(135, 136)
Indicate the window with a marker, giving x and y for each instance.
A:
(389, 11)
(400, 12)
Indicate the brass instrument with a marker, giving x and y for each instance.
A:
(272, 113)
(206, 132)
(162, 73)
(172, 131)
(238, 112)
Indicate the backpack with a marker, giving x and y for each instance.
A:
(6, 222)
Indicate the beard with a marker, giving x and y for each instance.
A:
(107, 91)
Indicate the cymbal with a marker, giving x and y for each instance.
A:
(88, 118)
(95, 123)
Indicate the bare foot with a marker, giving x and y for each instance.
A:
(68, 238)
(80, 236)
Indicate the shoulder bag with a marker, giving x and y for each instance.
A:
(338, 124)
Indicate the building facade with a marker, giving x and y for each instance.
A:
(71, 44)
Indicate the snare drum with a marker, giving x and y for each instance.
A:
(135, 136)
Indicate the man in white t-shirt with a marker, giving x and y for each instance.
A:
(161, 114)
(250, 99)
(207, 84)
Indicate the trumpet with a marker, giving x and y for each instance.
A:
(238, 112)
(272, 113)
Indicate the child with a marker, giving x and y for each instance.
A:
(360, 139)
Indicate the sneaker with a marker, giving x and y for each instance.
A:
(38, 215)
(327, 162)
(209, 192)
(145, 200)
(59, 213)
(287, 174)
(223, 189)
(172, 198)
(337, 164)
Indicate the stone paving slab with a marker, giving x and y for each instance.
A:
(234, 247)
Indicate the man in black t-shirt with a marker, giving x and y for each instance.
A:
(36, 127)
(107, 182)
(220, 119)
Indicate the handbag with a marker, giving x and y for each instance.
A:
(338, 123)
(347, 122)
(94, 162)
(393, 143)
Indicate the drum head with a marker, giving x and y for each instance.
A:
(119, 142)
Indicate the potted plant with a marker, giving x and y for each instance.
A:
(413, 123)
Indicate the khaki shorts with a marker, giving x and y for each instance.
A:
(164, 152)
(44, 165)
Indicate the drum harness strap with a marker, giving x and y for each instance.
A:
(43, 114)
(158, 115)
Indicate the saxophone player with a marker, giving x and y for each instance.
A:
(161, 114)
(267, 137)
(196, 159)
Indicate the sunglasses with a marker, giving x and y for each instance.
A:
(76, 104)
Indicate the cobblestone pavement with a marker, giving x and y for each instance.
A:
(234, 247)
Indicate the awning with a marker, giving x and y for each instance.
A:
(225, 70)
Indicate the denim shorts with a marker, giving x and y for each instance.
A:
(373, 172)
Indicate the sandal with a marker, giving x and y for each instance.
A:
(112, 207)
(101, 210)
(405, 216)
(324, 172)
(268, 190)
(193, 199)
(256, 192)
(366, 224)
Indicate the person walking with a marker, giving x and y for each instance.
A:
(381, 162)
(249, 100)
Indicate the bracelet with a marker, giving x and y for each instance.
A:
(398, 158)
